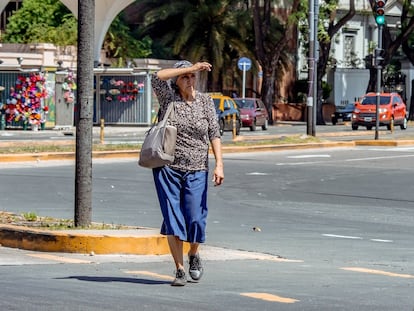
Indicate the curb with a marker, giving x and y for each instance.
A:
(130, 242)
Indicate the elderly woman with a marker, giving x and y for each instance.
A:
(182, 186)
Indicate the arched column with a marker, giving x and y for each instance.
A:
(3, 4)
(105, 13)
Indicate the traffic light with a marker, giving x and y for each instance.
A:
(380, 11)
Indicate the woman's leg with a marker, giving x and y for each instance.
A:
(176, 249)
(193, 249)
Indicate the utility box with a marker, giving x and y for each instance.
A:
(65, 100)
(348, 85)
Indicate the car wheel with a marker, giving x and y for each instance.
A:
(369, 127)
(253, 127)
(404, 124)
(354, 127)
(265, 125)
(221, 125)
(334, 121)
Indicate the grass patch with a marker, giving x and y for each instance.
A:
(64, 148)
(282, 140)
(30, 219)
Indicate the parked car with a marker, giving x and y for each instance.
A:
(226, 109)
(392, 111)
(253, 113)
(343, 113)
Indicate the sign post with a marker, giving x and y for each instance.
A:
(244, 64)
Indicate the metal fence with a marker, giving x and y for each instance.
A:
(124, 98)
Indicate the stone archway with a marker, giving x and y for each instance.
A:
(105, 12)
(3, 4)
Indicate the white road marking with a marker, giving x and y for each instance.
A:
(355, 238)
(342, 236)
(346, 160)
(257, 174)
(380, 158)
(382, 241)
(307, 156)
(300, 163)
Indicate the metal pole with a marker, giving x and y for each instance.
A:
(244, 80)
(311, 68)
(379, 76)
(315, 67)
(84, 114)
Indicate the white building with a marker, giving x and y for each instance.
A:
(350, 47)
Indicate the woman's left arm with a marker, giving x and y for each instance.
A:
(218, 176)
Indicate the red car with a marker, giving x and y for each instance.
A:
(392, 111)
(253, 113)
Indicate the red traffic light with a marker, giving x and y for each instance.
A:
(380, 3)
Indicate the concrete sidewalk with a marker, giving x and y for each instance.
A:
(142, 241)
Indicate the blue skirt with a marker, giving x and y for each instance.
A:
(183, 202)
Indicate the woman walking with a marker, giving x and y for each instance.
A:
(182, 186)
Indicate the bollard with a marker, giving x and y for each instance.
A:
(2, 122)
(234, 126)
(101, 136)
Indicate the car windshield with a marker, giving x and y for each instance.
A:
(372, 100)
(216, 102)
(243, 103)
(348, 107)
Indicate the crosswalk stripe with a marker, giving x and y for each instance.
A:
(269, 297)
(151, 274)
(59, 258)
(379, 272)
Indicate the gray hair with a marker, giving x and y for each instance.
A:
(180, 64)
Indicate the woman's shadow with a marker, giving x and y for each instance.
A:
(105, 279)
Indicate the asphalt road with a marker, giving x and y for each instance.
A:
(322, 229)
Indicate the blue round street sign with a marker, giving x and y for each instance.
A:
(244, 63)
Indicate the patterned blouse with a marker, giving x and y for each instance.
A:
(196, 124)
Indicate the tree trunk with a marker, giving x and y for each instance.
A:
(268, 93)
(84, 113)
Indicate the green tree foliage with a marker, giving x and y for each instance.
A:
(42, 21)
(49, 21)
(210, 30)
(120, 43)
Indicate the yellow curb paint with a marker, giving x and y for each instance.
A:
(59, 258)
(151, 274)
(379, 272)
(269, 297)
(102, 243)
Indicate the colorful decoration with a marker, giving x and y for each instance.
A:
(26, 100)
(69, 87)
(122, 91)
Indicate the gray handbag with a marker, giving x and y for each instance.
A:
(159, 143)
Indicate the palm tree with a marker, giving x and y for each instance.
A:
(208, 30)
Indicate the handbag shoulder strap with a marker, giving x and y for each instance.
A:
(169, 114)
